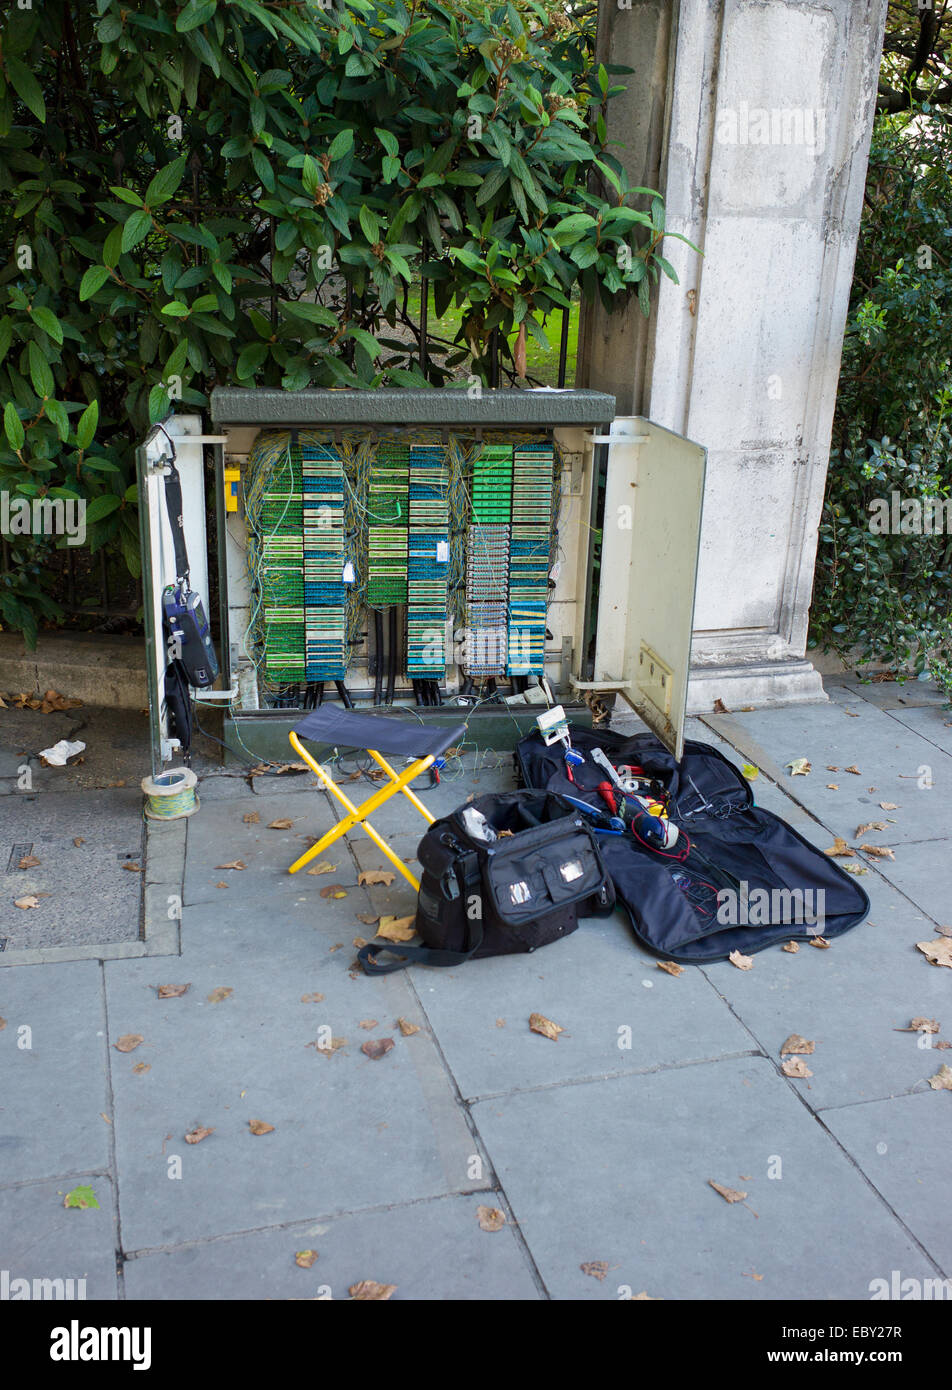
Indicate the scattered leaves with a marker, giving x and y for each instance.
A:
(792, 947)
(820, 942)
(938, 952)
(251, 818)
(323, 866)
(29, 861)
(870, 825)
(133, 868)
(492, 1219)
(750, 772)
(172, 991)
(141, 1068)
(260, 1127)
(878, 851)
(368, 877)
(888, 806)
(312, 998)
(796, 1044)
(407, 1028)
(397, 928)
(305, 1258)
(671, 967)
(799, 767)
(833, 786)
(328, 1049)
(377, 1048)
(595, 1269)
(83, 1198)
(720, 707)
(920, 1025)
(196, 1135)
(942, 1081)
(78, 840)
(31, 900)
(367, 1023)
(855, 868)
(796, 1068)
(540, 1024)
(219, 994)
(235, 864)
(742, 962)
(840, 849)
(221, 884)
(284, 824)
(369, 1290)
(333, 890)
(368, 918)
(855, 771)
(128, 1042)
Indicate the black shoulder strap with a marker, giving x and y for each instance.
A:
(173, 501)
(469, 877)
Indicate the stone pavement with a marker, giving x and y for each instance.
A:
(595, 1151)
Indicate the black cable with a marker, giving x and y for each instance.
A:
(392, 654)
(344, 694)
(378, 656)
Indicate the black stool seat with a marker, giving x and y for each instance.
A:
(384, 735)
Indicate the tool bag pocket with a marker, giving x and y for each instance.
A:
(523, 889)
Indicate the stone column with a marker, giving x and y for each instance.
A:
(754, 118)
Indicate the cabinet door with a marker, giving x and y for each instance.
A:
(652, 526)
(183, 433)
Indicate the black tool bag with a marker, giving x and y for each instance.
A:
(739, 879)
(524, 889)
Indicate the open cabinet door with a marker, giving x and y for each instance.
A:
(183, 434)
(650, 536)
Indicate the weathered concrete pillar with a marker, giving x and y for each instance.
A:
(753, 117)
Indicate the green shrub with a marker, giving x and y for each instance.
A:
(243, 193)
(889, 595)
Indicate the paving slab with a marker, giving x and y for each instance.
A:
(627, 1163)
(619, 1011)
(347, 1128)
(54, 1088)
(903, 1147)
(932, 724)
(432, 1250)
(848, 1000)
(44, 1240)
(889, 757)
(84, 894)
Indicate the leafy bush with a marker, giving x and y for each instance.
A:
(243, 193)
(890, 595)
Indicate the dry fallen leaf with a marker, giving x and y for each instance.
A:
(323, 866)
(359, 942)
(850, 714)
(141, 1067)
(942, 1081)
(870, 825)
(671, 967)
(368, 877)
(31, 900)
(796, 1068)
(799, 767)
(645, 1297)
(820, 942)
(832, 767)
(196, 1135)
(540, 1024)
(217, 995)
(855, 771)
(500, 1023)
(305, 1258)
(730, 1194)
(742, 962)
(29, 861)
(312, 998)
(133, 868)
(377, 1048)
(128, 1042)
(596, 1269)
(251, 818)
(888, 806)
(840, 849)
(328, 1049)
(78, 840)
(284, 824)
(938, 952)
(369, 1290)
(260, 1127)
(797, 1044)
(333, 890)
(397, 928)
(407, 1028)
(720, 707)
(235, 864)
(367, 1023)
(172, 991)
(368, 918)
(492, 1219)
(943, 931)
(221, 884)
(855, 869)
(878, 851)
(791, 946)
(3, 1024)
(920, 1025)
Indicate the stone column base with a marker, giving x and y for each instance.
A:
(786, 681)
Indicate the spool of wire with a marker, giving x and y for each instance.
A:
(171, 795)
